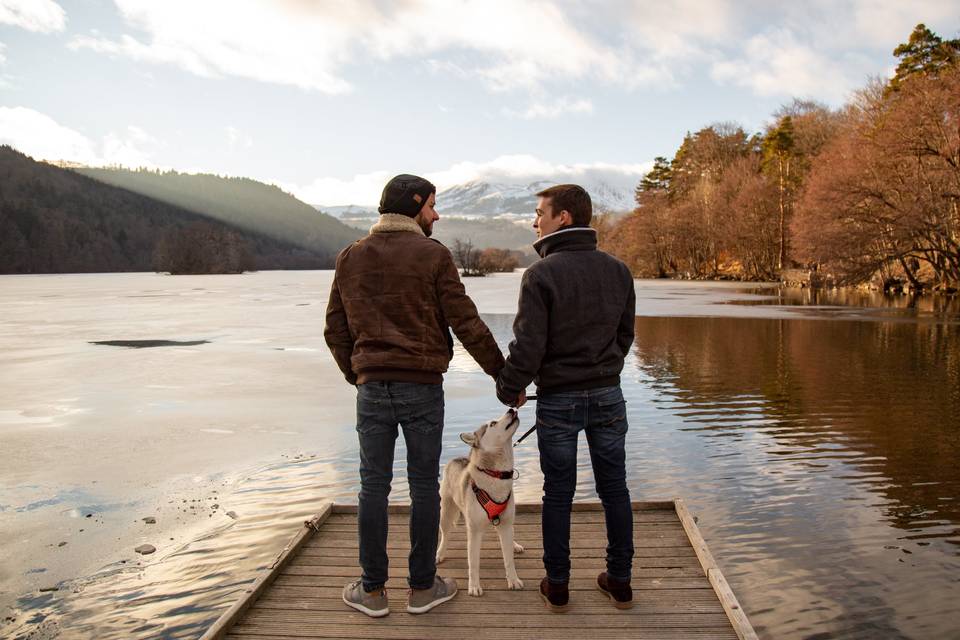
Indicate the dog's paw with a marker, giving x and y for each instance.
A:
(475, 590)
(517, 547)
(514, 584)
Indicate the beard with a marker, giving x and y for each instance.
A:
(426, 227)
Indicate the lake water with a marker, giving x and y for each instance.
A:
(815, 437)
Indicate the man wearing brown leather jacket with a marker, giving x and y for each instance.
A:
(395, 295)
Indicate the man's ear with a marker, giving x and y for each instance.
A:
(470, 439)
(568, 220)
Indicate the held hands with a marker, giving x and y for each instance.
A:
(521, 400)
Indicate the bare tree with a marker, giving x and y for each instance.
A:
(467, 257)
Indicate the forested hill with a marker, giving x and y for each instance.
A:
(241, 202)
(57, 221)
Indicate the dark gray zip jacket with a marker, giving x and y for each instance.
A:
(575, 321)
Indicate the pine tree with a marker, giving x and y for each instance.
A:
(658, 178)
(924, 53)
(777, 149)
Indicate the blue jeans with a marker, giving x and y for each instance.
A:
(601, 413)
(418, 409)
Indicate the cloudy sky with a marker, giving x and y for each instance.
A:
(330, 98)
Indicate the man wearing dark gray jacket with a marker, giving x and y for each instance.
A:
(574, 327)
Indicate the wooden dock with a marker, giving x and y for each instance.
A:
(679, 592)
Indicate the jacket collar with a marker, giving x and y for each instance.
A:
(394, 222)
(567, 239)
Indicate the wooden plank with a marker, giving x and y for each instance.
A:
(541, 619)
(398, 562)
(656, 515)
(576, 518)
(518, 603)
(741, 624)
(580, 536)
(401, 541)
(374, 633)
(576, 583)
(528, 507)
(491, 549)
(251, 593)
(490, 572)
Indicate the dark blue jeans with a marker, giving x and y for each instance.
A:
(601, 413)
(418, 409)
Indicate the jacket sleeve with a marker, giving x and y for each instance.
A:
(626, 328)
(462, 316)
(337, 333)
(530, 330)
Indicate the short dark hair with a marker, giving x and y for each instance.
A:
(572, 198)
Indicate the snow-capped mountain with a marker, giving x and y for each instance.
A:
(487, 199)
(479, 198)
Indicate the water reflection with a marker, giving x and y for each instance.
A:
(846, 301)
(828, 479)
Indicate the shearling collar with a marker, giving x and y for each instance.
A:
(393, 222)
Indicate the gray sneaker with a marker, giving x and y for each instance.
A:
(374, 603)
(422, 600)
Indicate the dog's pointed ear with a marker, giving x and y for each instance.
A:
(470, 439)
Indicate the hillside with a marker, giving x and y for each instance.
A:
(55, 220)
(240, 202)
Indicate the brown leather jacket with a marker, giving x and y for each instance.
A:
(394, 294)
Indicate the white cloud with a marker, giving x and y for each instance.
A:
(238, 139)
(42, 16)
(681, 29)
(4, 78)
(365, 189)
(776, 64)
(133, 148)
(884, 24)
(42, 137)
(312, 45)
(553, 109)
(38, 135)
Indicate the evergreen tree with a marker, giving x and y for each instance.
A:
(657, 179)
(777, 149)
(924, 53)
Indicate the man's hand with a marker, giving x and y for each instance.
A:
(521, 399)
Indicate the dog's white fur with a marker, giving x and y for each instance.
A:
(491, 447)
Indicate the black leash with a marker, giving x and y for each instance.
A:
(531, 429)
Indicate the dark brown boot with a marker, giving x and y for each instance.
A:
(555, 596)
(618, 591)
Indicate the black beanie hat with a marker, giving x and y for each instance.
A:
(406, 194)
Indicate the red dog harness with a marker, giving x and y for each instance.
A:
(491, 506)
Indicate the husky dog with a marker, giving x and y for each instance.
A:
(481, 488)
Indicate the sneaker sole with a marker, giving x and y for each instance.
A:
(556, 608)
(616, 603)
(373, 613)
(433, 604)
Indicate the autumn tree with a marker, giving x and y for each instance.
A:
(493, 260)
(883, 196)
